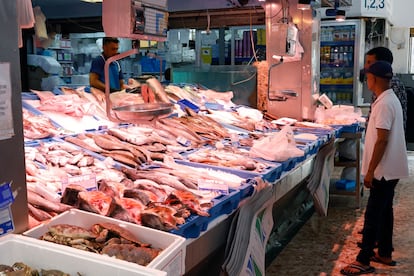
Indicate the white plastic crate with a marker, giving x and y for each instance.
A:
(171, 259)
(45, 255)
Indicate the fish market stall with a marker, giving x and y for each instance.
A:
(193, 174)
(186, 188)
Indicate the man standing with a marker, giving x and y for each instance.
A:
(384, 162)
(110, 48)
(382, 53)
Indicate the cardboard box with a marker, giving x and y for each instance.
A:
(171, 259)
(45, 255)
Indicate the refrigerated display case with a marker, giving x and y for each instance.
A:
(341, 58)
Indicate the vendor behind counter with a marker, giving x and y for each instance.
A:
(97, 74)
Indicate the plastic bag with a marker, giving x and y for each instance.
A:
(349, 173)
(347, 149)
(338, 115)
(40, 25)
(279, 146)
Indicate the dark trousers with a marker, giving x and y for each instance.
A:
(379, 221)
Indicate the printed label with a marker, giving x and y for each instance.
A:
(6, 195)
(88, 181)
(213, 185)
(6, 222)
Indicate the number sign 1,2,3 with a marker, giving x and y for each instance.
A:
(374, 4)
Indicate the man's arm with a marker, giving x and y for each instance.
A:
(378, 153)
(99, 92)
(95, 82)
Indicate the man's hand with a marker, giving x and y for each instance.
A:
(368, 180)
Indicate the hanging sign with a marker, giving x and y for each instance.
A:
(376, 8)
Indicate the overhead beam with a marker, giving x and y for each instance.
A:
(218, 18)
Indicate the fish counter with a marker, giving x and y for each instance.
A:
(188, 175)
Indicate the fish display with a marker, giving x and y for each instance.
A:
(137, 178)
(143, 196)
(103, 238)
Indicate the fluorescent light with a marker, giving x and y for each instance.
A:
(92, 1)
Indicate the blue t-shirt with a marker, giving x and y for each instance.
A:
(115, 71)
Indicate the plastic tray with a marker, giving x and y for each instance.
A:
(171, 259)
(45, 255)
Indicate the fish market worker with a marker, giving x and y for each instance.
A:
(110, 46)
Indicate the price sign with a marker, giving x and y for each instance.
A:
(213, 185)
(88, 181)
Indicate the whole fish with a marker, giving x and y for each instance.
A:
(160, 178)
(82, 143)
(38, 214)
(136, 139)
(175, 123)
(179, 133)
(37, 200)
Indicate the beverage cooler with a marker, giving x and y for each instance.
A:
(341, 59)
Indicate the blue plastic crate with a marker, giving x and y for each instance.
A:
(273, 173)
(344, 184)
(191, 228)
(246, 189)
(223, 205)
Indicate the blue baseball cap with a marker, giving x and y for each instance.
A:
(380, 68)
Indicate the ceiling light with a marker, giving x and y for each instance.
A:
(92, 1)
(304, 4)
(340, 15)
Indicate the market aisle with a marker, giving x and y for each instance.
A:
(325, 245)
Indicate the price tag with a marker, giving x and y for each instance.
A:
(88, 181)
(183, 141)
(6, 195)
(213, 185)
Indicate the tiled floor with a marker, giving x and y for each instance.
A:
(326, 244)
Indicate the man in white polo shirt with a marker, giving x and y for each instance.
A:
(384, 162)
